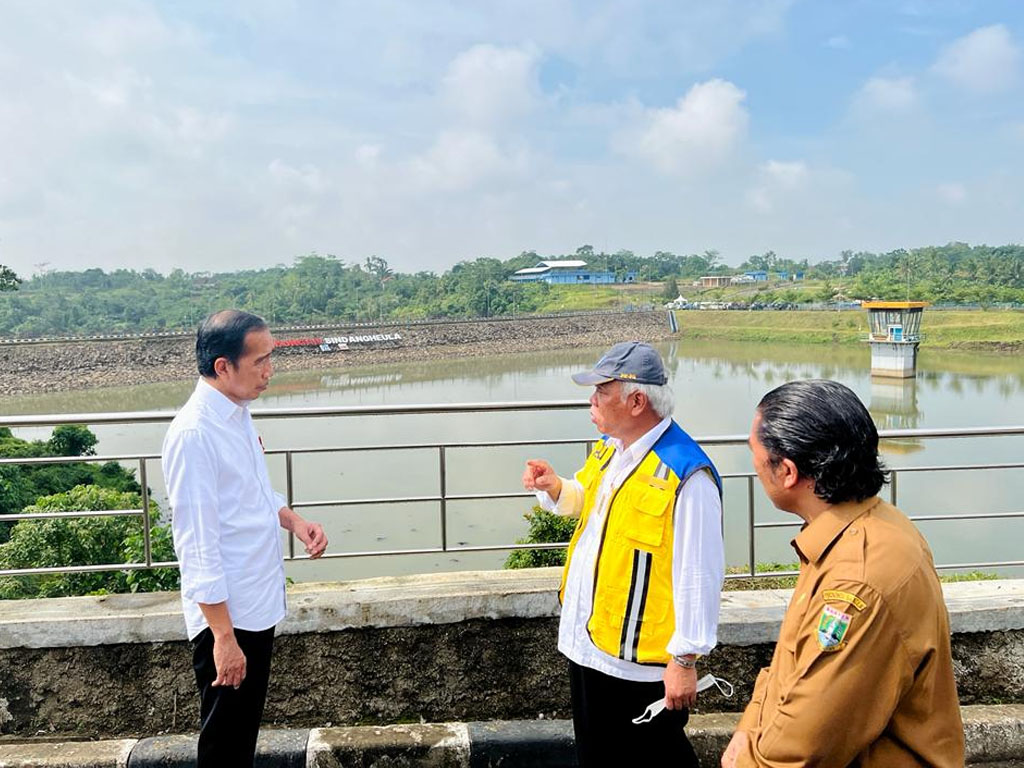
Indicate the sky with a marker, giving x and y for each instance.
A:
(239, 134)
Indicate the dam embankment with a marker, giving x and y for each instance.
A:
(56, 366)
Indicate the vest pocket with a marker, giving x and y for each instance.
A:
(647, 526)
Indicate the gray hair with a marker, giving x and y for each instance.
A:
(660, 396)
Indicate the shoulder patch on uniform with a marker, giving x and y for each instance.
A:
(836, 596)
(832, 628)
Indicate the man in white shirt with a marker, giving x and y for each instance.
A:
(225, 521)
(643, 573)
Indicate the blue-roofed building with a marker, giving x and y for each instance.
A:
(568, 272)
(758, 275)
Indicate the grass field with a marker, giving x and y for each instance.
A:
(981, 330)
(994, 330)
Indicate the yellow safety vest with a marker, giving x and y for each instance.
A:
(633, 614)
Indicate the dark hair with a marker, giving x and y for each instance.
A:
(222, 334)
(823, 428)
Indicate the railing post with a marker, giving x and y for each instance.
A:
(289, 494)
(892, 487)
(750, 525)
(146, 544)
(443, 477)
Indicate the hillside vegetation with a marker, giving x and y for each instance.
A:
(326, 289)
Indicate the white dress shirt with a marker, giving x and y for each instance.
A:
(224, 513)
(698, 563)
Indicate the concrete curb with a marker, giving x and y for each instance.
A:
(73, 754)
(540, 743)
(275, 749)
(995, 739)
(438, 745)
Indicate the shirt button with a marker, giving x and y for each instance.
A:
(853, 531)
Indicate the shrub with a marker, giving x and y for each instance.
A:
(56, 542)
(545, 528)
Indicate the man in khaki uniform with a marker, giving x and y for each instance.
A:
(862, 673)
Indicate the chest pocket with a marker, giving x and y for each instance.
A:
(648, 518)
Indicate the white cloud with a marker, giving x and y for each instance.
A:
(703, 129)
(194, 126)
(952, 193)
(985, 60)
(654, 39)
(459, 160)
(307, 177)
(887, 95)
(238, 134)
(118, 34)
(777, 178)
(368, 155)
(115, 90)
(487, 85)
(786, 175)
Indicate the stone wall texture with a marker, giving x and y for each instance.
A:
(384, 653)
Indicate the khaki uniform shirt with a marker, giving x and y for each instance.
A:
(862, 673)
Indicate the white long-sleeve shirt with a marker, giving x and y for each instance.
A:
(698, 563)
(224, 513)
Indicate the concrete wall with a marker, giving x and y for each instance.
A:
(444, 647)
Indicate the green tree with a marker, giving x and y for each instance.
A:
(378, 267)
(103, 540)
(670, 290)
(23, 484)
(545, 528)
(72, 440)
(8, 280)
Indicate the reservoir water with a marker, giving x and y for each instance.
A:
(717, 386)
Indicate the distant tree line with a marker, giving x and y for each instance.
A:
(317, 288)
(956, 273)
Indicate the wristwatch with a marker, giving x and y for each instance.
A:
(685, 663)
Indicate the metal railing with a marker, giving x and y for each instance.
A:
(443, 496)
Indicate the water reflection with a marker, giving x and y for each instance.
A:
(717, 385)
(894, 406)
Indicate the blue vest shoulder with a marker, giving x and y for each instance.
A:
(683, 455)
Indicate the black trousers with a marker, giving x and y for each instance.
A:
(603, 708)
(230, 719)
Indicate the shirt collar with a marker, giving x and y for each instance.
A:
(217, 401)
(818, 535)
(646, 441)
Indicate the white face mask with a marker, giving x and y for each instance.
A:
(724, 687)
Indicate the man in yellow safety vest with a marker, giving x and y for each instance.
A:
(640, 590)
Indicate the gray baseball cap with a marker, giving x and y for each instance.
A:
(627, 361)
